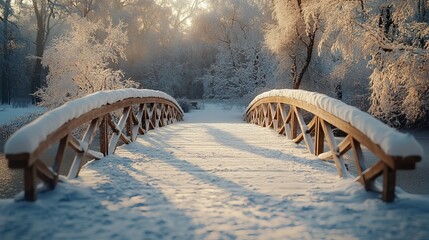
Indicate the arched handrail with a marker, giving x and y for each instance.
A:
(286, 110)
(140, 111)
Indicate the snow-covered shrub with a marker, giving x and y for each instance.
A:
(185, 104)
(81, 62)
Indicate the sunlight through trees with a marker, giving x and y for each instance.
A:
(372, 54)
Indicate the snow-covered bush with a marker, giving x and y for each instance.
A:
(82, 61)
(185, 104)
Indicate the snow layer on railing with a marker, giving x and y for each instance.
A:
(391, 141)
(26, 139)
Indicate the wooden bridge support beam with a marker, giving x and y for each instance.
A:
(389, 183)
(30, 193)
(104, 135)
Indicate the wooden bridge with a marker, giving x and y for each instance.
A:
(213, 173)
(120, 116)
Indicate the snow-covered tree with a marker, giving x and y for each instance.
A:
(81, 62)
(242, 64)
(292, 37)
(394, 36)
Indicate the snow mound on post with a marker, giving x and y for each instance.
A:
(391, 141)
(30, 136)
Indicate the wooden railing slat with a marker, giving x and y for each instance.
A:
(46, 174)
(339, 162)
(319, 137)
(359, 160)
(304, 130)
(83, 147)
(118, 128)
(60, 155)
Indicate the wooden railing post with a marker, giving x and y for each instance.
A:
(30, 184)
(389, 182)
(293, 124)
(104, 137)
(129, 125)
(319, 141)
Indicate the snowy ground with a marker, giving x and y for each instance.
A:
(9, 113)
(213, 177)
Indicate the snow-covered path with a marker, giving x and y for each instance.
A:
(213, 177)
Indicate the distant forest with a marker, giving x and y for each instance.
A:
(373, 54)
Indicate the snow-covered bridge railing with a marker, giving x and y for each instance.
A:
(114, 115)
(286, 111)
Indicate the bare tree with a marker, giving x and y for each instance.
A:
(292, 38)
(43, 10)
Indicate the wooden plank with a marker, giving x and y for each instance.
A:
(270, 115)
(299, 138)
(319, 137)
(145, 118)
(30, 191)
(75, 144)
(20, 160)
(104, 135)
(60, 156)
(389, 183)
(293, 125)
(84, 146)
(119, 128)
(345, 145)
(310, 127)
(264, 115)
(129, 123)
(137, 128)
(304, 130)
(152, 117)
(287, 123)
(75, 167)
(360, 161)
(407, 163)
(45, 174)
(370, 174)
(358, 157)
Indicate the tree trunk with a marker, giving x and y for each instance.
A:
(5, 68)
(309, 44)
(297, 79)
(41, 18)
